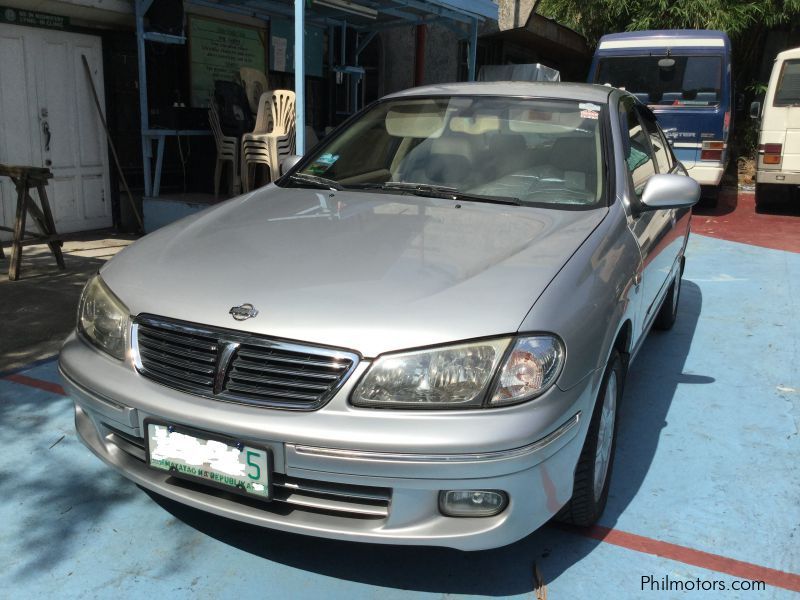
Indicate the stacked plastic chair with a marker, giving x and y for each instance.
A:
(270, 146)
(227, 151)
(255, 150)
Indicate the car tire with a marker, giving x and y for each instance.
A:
(668, 313)
(593, 472)
(762, 201)
(709, 196)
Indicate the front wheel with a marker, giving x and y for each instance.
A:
(593, 472)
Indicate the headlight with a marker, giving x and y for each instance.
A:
(447, 377)
(103, 319)
(460, 376)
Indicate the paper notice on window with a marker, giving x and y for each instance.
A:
(279, 53)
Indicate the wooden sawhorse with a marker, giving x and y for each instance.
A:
(24, 179)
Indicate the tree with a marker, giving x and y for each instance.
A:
(735, 17)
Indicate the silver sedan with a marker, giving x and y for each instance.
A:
(418, 335)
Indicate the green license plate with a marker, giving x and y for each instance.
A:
(217, 461)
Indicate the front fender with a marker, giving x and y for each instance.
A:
(591, 298)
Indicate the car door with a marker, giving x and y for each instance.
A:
(653, 230)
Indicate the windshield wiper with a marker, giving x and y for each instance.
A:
(314, 179)
(439, 191)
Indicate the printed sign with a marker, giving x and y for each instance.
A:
(218, 49)
(31, 18)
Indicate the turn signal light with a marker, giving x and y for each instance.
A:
(771, 153)
(712, 151)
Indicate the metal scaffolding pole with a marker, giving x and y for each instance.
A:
(300, 74)
(141, 7)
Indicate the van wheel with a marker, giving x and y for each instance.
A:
(668, 313)
(709, 195)
(593, 472)
(762, 202)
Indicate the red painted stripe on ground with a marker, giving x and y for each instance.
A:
(690, 556)
(36, 383)
(735, 219)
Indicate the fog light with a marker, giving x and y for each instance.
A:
(472, 503)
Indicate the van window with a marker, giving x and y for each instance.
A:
(788, 90)
(680, 81)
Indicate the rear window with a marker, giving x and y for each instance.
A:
(788, 91)
(676, 81)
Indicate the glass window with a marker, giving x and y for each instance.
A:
(677, 81)
(788, 90)
(638, 153)
(660, 148)
(542, 152)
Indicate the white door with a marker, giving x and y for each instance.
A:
(48, 118)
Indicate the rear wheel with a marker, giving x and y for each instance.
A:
(710, 195)
(770, 194)
(593, 472)
(762, 200)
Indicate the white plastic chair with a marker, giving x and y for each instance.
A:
(254, 82)
(271, 147)
(282, 139)
(255, 150)
(227, 151)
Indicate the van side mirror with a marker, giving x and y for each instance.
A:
(670, 191)
(755, 110)
(739, 107)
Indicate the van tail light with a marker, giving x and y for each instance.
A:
(712, 151)
(771, 153)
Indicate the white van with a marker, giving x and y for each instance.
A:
(778, 173)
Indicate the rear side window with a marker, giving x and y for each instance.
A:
(658, 143)
(788, 91)
(638, 152)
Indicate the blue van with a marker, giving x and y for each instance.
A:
(684, 76)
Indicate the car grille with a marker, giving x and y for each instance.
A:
(355, 501)
(238, 367)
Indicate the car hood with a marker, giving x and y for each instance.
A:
(371, 272)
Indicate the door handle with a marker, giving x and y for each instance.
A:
(47, 135)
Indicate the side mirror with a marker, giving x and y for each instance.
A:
(739, 104)
(670, 191)
(755, 110)
(289, 162)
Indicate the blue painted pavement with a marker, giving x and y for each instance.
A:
(707, 458)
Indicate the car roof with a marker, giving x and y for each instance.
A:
(668, 33)
(586, 92)
(790, 53)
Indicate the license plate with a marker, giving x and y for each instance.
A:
(217, 461)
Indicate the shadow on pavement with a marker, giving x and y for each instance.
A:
(504, 571)
(38, 311)
(726, 203)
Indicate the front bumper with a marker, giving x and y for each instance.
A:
(345, 473)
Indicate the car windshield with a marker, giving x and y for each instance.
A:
(788, 91)
(675, 81)
(507, 150)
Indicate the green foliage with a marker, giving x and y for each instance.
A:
(735, 17)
